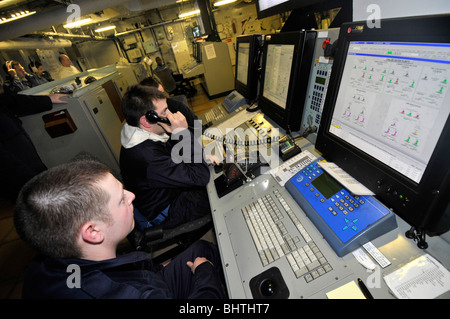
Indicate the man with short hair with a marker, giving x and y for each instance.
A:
(66, 69)
(175, 103)
(170, 187)
(75, 215)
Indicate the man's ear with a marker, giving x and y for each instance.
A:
(144, 123)
(91, 233)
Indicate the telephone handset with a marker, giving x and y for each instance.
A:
(154, 118)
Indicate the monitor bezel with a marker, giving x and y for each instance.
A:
(249, 90)
(284, 7)
(289, 118)
(410, 200)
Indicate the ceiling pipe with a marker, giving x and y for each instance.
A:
(53, 16)
(73, 36)
(33, 44)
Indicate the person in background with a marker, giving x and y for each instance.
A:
(161, 66)
(66, 69)
(38, 70)
(88, 213)
(18, 79)
(19, 160)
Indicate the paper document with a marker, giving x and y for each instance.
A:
(363, 259)
(210, 51)
(345, 179)
(347, 291)
(423, 278)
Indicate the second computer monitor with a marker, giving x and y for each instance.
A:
(246, 77)
(287, 60)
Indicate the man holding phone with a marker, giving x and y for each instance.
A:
(168, 191)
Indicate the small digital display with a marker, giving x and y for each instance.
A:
(320, 80)
(326, 185)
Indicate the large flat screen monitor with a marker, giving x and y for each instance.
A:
(287, 60)
(385, 119)
(247, 64)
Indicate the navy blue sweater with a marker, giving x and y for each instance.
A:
(149, 171)
(129, 276)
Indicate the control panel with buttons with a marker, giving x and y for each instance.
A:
(347, 221)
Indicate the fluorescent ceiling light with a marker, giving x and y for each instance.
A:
(109, 27)
(223, 2)
(18, 15)
(77, 23)
(188, 14)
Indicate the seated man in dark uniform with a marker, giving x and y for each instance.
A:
(75, 215)
(168, 188)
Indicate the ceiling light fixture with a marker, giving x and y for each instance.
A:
(188, 14)
(17, 15)
(109, 27)
(77, 23)
(223, 2)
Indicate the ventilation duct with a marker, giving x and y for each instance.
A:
(33, 44)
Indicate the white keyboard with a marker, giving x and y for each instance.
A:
(215, 113)
(266, 223)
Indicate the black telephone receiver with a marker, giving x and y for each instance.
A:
(153, 118)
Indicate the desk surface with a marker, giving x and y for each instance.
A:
(241, 262)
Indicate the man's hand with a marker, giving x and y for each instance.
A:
(11, 70)
(197, 261)
(177, 120)
(212, 159)
(57, 98)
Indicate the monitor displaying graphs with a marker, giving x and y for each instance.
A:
(393, 102)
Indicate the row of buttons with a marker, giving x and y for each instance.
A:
(319, 87)
(342, 202)
(308, 261)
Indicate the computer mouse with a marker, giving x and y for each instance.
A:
(268, 288)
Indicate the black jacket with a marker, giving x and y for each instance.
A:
(129, 276)
(150, 172)
(19, 160)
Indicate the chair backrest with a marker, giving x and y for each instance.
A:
(181, 98)
(166, 79)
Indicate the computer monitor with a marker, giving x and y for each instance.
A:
(385, 118)
(247, 63)
(266, 8)
(196, 31)
(287, 60)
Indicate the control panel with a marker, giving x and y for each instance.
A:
(347, 221)
(317, 90)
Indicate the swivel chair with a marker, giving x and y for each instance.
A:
(154, 237)
(172, 87)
